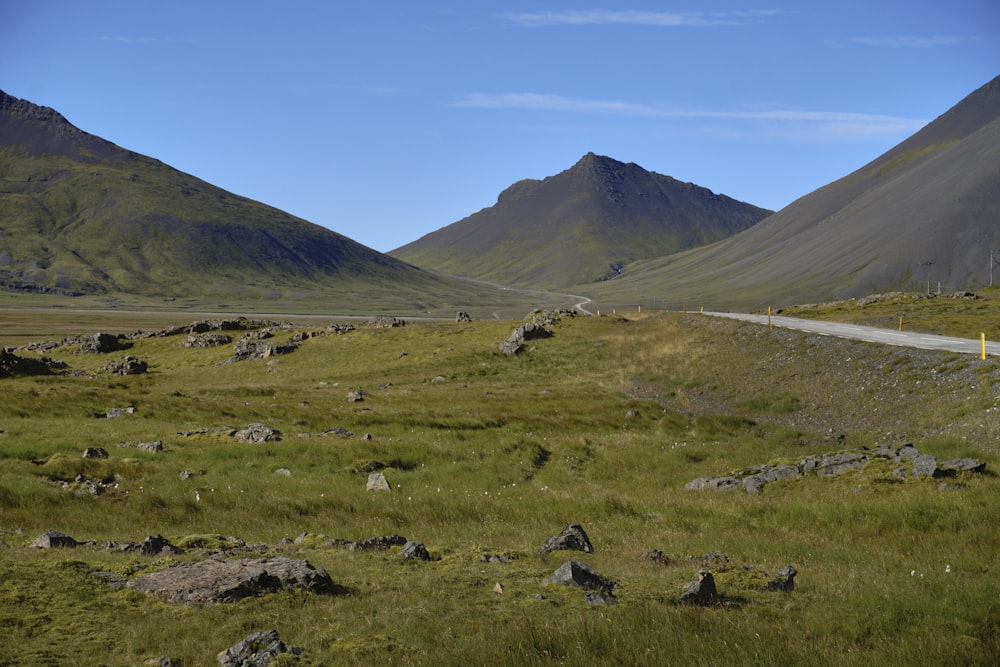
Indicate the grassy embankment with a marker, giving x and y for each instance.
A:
(494, 457)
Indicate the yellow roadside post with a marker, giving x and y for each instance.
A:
(900, 323)
(982, 339)
(769, 317)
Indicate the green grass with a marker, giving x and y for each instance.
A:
(602, 425)
(937, 314)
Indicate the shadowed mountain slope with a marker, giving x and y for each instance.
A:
(80, 215)
(579, 226)
(925, 213)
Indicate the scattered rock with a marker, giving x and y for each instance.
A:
(572, 538)
(259, 649)
(206, 340)
(595, 598)
(53, 539)
(379, 543)
(784, 580)
(128, 365)
(155, 545)
(378, 482)
(100, 343)
(153, 447)
(414, 551)
(95, 453)
(356, 396)
(753, 479)
(387, 322)
(213, 581)
(656, 556)
(462, 316)
(283, 472)
(579, 574)
(498, 588)
(924, 465)
(114, 413)
(701, 591)
(257, 434)
(11, 365)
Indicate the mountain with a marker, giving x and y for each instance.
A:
(925, 213)
(580, 226)
(80, 215)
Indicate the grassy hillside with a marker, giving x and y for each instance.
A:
(580, 226)
(923, 213)
(81, 216)
(602, 424)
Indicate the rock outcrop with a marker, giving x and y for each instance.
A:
(214, 581)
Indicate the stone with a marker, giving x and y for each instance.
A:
(95, 453)
(153, 447)
(580, 575)
(99, 343)
(114, 413)
(595, 598)
(462, 316)
(257, 434)
(258, 649)
(701, 591)
(283, 472)
(206, 340)
(572, 538)
(498, 588)
(784, 580)
(156, 544)
(127, 366)
(955, 466)
(656, 556)
(414, 551)
(221, 581)
(924, 465)
(355, 396)
(378, 543)
(378, 482)
(53, 539)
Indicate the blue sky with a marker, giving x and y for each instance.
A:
(387, 120)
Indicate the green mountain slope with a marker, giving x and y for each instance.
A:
(924, 214)
(80, 215)
(580, 226)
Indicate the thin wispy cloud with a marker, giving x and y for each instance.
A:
(633, 17)
(143, 40)
(910, 41)
(839, 124)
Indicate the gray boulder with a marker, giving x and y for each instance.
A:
(414, 551)
(258, 649)
(378, 482)
(99, 343)
(701, 591)
(215, 581)
(924, 465)
(580, 575)
(784, 580)
(572, 538)
(128, 365)
(257, 433)
(52, 539)
(95, 453)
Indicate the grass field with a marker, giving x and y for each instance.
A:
(602, 425)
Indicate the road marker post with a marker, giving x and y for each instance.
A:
(901, 324)
(769, 317)
(982, 339)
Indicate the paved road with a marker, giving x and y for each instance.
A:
(871, 334)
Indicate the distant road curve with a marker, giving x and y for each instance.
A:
(871, 334)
